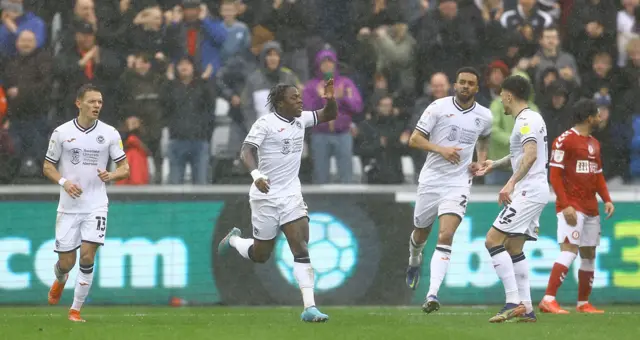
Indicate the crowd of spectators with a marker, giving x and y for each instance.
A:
(184, 80)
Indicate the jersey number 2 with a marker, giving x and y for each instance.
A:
(102, 223)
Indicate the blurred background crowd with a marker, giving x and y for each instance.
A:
(184, 80)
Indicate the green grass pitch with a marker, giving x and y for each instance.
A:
(280, 323)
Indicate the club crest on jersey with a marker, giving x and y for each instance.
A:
(100, 139)
(298, 124)
(75, 156)
(478, 122)
(286, 146)
(558, 156)
(591, 150)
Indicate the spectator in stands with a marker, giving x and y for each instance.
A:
(148, 35)
(396, 51)
(603, 80)
(16, 20)
(445, 40)
(604, 135)
(293, 22)
(231, 80)
(9, 162)
(332, 138)
(190, 104)
(198, 35)
(238, 40)
(270, 72)
(556, 111)
(550, 55)
(139, 94)
(501, 133)
(379, 145)
(494, 76)
(486, 14)
(28, 79)
(529, 21)
(592, 29)
(631, 72)
(85, 62)
(137, 153)
(626, 22)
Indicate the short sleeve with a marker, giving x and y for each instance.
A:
(116, 149)
(428, 119)
(55, 148)
(488, 125)
(309, 118)
(258, 133)
(526, 129)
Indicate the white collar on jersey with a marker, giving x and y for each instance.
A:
(91, 128)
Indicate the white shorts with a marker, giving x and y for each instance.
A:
(440, 201)
(73, 229)
(586, 233)
(268, 215)
(521, 217)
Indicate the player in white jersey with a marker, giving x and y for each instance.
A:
(449, 129)
(524, 196)
(78, 154)
(272, 153)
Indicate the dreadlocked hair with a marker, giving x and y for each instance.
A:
(276, 95)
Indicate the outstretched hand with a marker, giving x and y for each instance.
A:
(328, 89)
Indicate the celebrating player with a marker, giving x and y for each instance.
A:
(448, 129)
(272, 151)
(576, 177)
(81, 148)
(524, 196)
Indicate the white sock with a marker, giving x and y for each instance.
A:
(415, 252)
(587, 265)
(60, 276)
(521, 270)
(83, 284)
(504, 268)
(306, 280)
(439, 264)
(242, 245)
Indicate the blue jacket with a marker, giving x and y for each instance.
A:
(28, 21)
(212, 35)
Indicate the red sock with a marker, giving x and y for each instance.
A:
(558, 273)
(585, 284)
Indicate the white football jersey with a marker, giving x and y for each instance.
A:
(530, 126)
(448, 124)
(79, 153)
(280, 142)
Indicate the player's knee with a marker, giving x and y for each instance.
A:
(66, 264)
(587, 253)
(445, 237)
(87, 259)
(260, 257)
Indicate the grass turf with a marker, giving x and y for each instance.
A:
(157, 323)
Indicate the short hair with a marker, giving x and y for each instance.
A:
(86, 88)
(276, 95)
(468, 69)
(583, 109)
(145, 56)
(551, 28)
(518, 86)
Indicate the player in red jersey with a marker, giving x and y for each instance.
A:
(576, 177)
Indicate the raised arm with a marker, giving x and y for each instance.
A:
(330, 111)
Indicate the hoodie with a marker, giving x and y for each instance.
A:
(260, 82)
(346, 93)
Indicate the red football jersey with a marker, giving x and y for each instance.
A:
(579, 157)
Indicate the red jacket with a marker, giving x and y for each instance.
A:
(137, 155)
